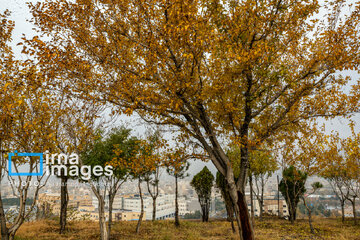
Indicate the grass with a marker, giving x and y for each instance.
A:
(271, 228)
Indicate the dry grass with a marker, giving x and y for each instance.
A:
(163, 230)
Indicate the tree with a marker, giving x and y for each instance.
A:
(292, 187)
(315, 186)
(7, 98)
(152, 182)
(152, 177)
(240, 70)
(334, 171)
(203, 183)
(262, 166)
(28, 120)
(139, 166)
(76, 130)
(351, 147)
(118, 144)
(30, 131)
(176, 165)
(224, 189)
(354, 193)
(340, 166)
(303, 153)
(195, 215)
(36, 113)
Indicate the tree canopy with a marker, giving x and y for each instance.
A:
(292, 187)
(203, 183)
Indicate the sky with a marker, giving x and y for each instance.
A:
(20, 15)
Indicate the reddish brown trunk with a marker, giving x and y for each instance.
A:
(247, 231)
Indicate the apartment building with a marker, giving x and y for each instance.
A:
(117, 204)
(128, 216)
(182, 206)
(270, 206)
(125, 208)
(165, 205)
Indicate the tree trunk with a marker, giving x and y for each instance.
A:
(142, 208)
(354, 210)
(233, 226)
(292, 214)
(251, 200)
(230, 214)
(111, 202)
(177, 222)
(262, 198)
(245, 231)
(154, 194)
(11, 236)
(207, 207)
(309, 216)
(310, 222)
(37, 216)
(5, 236)
(261, 209)
(343, 211)
(4, 230)
(64, 204)
(240, 207)
(246, 228)
(238, 221)
(102, 220)
(278, 196)
(291, 211)
(154, 209)
(9, 233)
(203, 210)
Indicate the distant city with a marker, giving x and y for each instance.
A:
(127, 206)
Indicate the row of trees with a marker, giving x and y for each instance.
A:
(342, 171)
(33, 119)
(329, 156)
(133, 159)
(38, 116)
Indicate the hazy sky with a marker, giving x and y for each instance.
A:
(20, 14)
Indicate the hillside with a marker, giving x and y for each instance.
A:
(268, 229)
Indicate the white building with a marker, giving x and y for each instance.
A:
(270, 206)
(117, 204)
(165, 205)
(182, 206)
